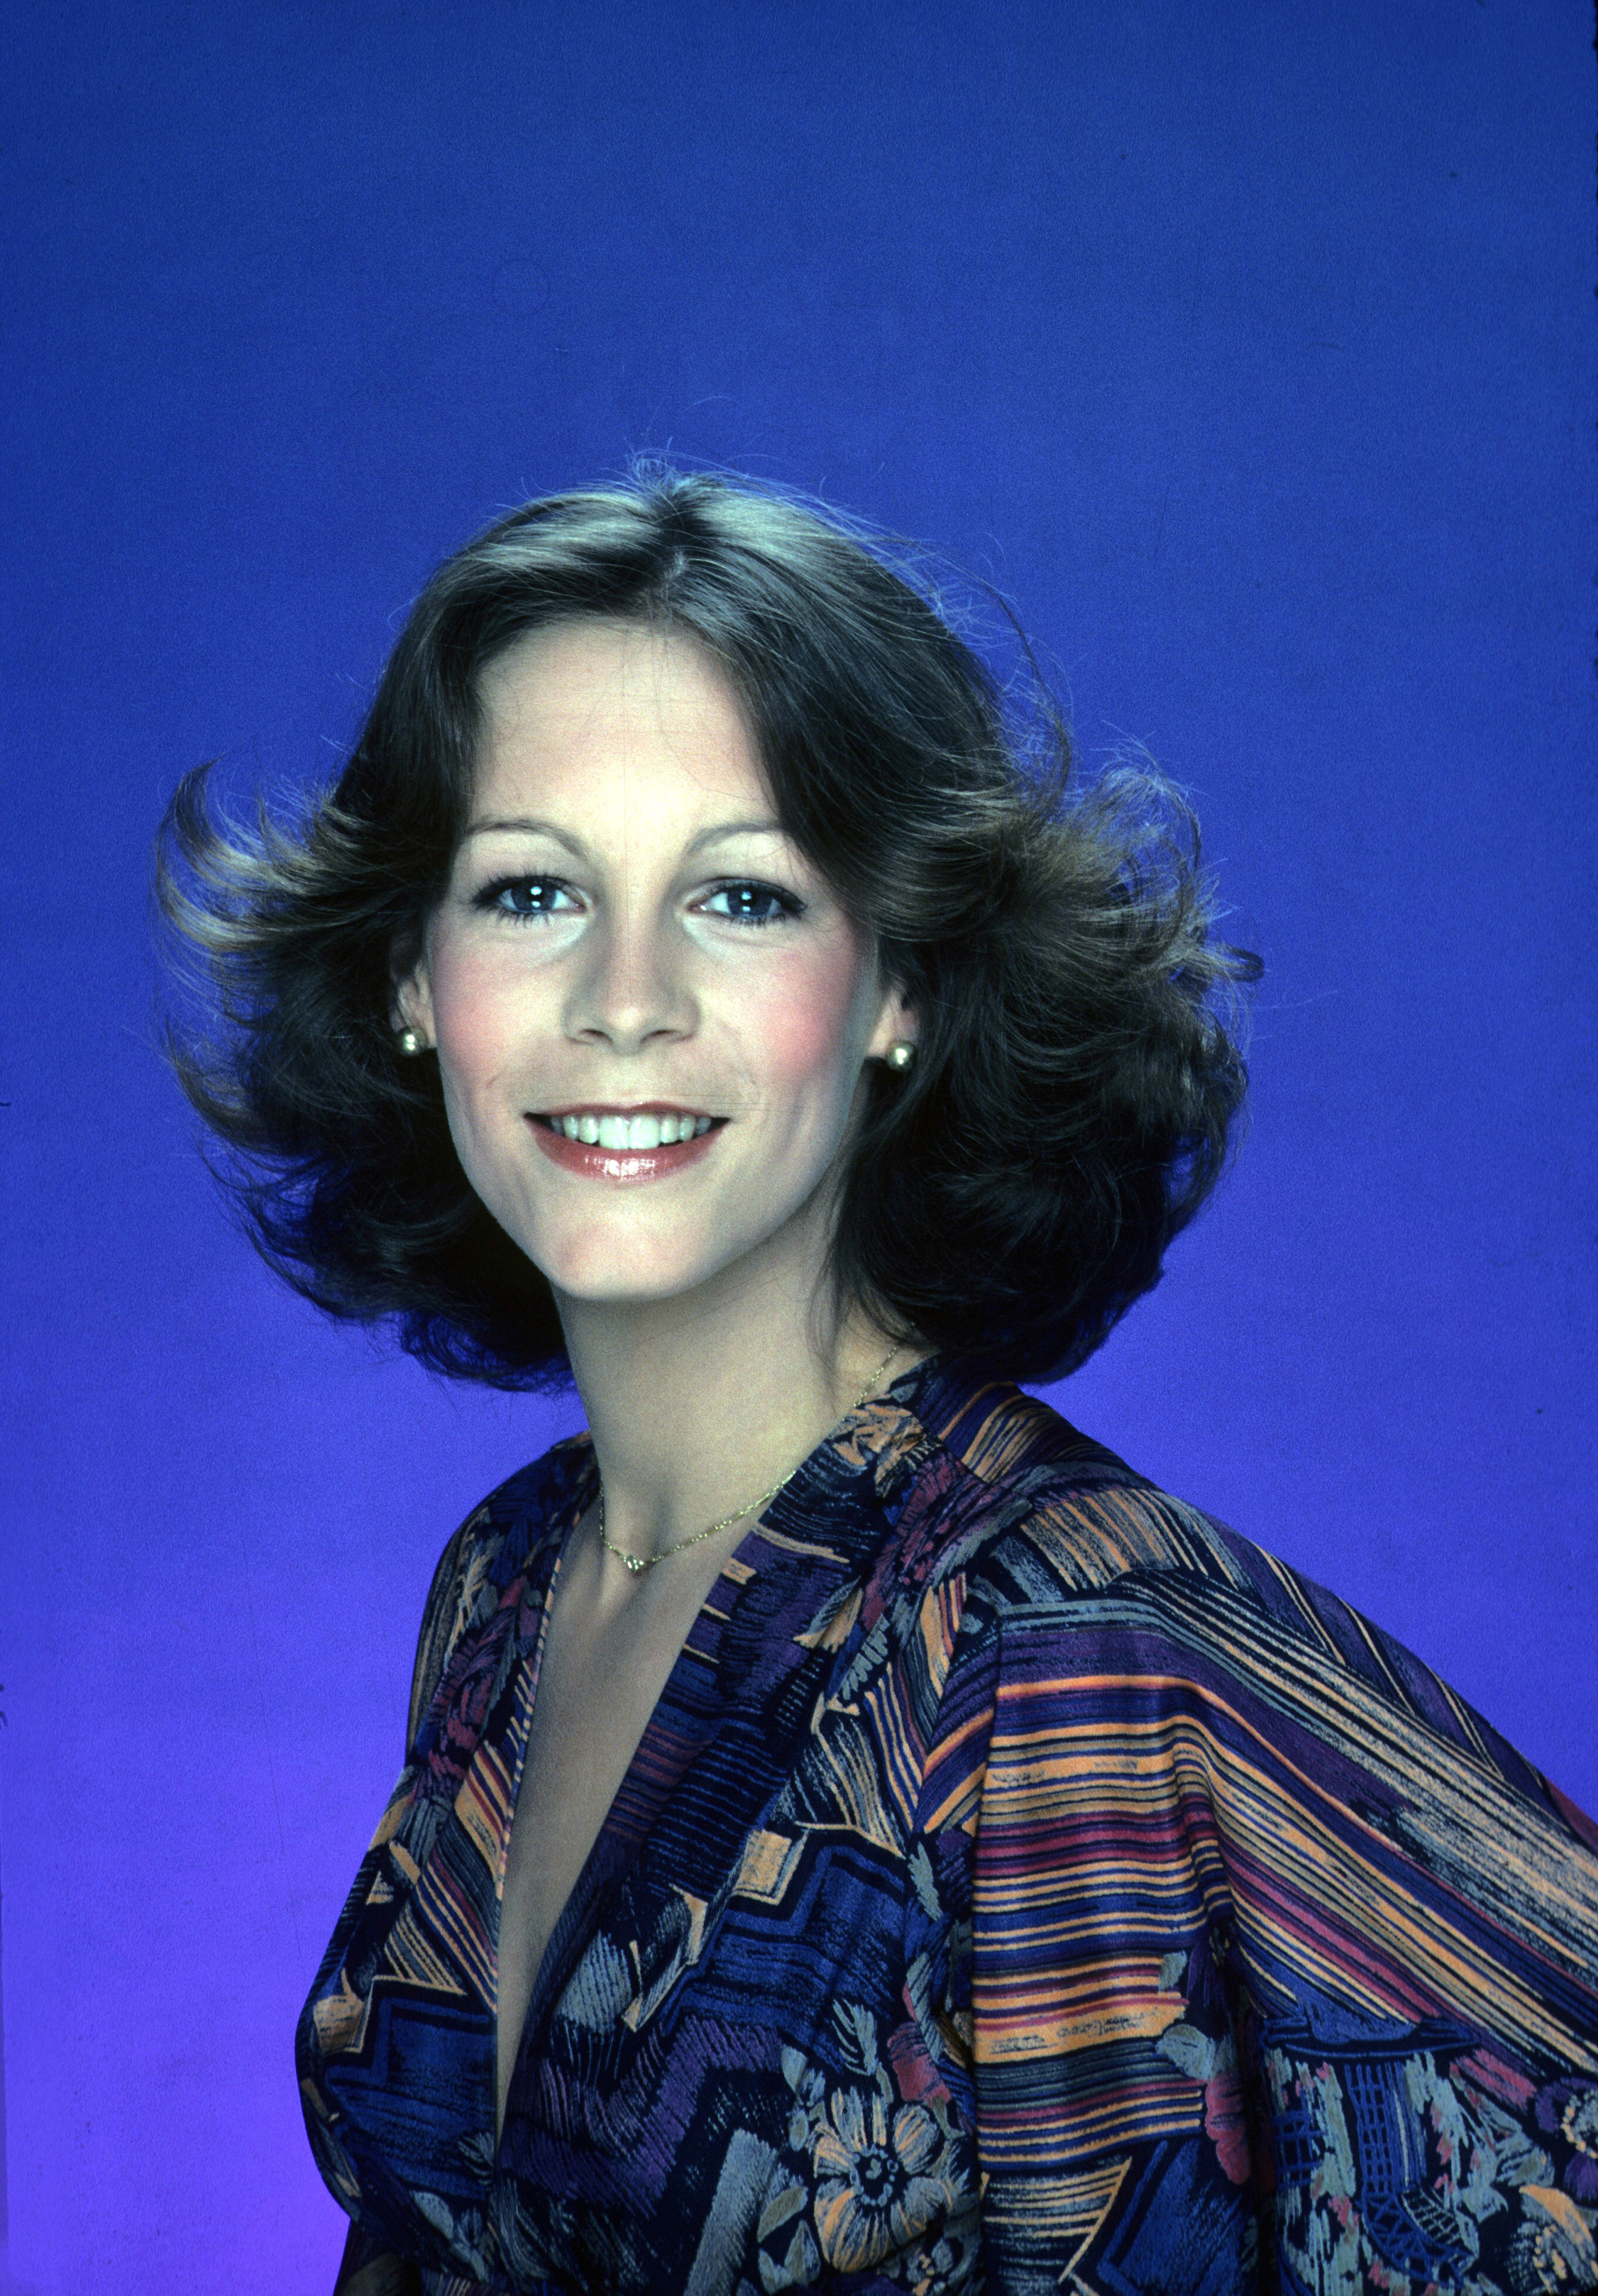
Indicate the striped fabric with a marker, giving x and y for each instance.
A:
(1023, 1884)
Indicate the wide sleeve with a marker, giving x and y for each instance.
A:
(1284, 1968)
(367, 2267)
(444, 1619)
(447, 1614)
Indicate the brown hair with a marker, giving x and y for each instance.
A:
(1078, 1072)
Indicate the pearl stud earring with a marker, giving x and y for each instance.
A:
(900, 1054)
(410, 1043)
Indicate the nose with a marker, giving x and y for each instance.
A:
(630, 989)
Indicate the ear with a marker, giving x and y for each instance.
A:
(411, 1005)
(897, 1023)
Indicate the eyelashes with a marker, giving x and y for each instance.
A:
(745, 901)
(751, 902)
(527, 899)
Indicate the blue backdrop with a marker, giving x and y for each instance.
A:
(1250, 348)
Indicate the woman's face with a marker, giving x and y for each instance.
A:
(631, 952)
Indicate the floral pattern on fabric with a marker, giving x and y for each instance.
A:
(878, 2181)
(1024, 1884)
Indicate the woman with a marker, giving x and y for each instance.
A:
(855, 1833)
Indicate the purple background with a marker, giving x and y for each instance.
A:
(1249, 346)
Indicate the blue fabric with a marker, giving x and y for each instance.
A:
(1023, 1883)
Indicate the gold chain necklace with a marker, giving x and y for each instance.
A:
(637, 1562)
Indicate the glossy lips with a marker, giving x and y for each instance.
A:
(599, 1159)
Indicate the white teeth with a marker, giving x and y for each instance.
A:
(635, 1132)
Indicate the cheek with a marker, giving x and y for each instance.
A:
(477, 1018)
(470, 1047)
(807, 1026)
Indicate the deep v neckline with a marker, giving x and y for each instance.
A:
(617, 1838)
(785, 1529)
(401, 2038)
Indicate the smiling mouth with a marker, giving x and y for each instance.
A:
(635, 1130)
(626, 1144)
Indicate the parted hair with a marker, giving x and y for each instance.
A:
(1078, 1073)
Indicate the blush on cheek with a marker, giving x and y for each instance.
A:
(471, 1044)
(478, 1065)
(804, 1026)
(478, 1016)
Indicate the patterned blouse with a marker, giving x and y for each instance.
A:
(1024, 1883)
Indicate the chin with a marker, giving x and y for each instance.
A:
(620, 1272)
(643, 1258)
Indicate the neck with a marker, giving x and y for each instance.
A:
(698, 1403)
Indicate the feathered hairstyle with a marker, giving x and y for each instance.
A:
(1078, 1072)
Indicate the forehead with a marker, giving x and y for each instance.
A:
(579, 704)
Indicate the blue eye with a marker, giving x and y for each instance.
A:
(527, 899)
(749, 903)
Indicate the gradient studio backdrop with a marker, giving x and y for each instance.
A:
(1250, 347)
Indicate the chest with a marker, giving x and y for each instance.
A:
(601, 1669)
(758, 2052)
(762, 1970)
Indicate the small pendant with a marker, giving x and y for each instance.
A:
(636, 1562)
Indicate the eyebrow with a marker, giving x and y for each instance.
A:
(525, 825)
(724, 829)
